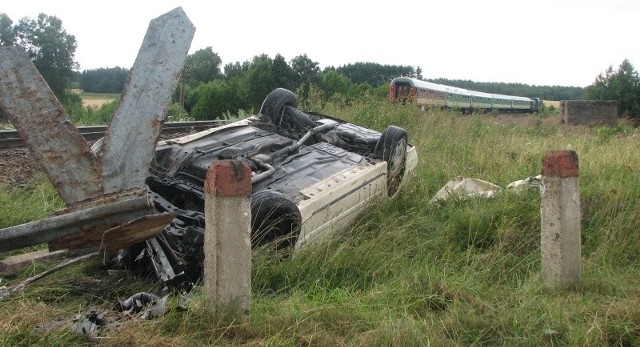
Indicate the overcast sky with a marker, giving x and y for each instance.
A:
(544, 42)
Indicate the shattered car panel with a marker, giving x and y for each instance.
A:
(311, 174)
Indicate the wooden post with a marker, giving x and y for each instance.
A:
(560, 220)
(227, 244)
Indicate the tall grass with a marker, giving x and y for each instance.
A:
(409, 273)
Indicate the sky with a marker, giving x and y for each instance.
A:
(544, 42)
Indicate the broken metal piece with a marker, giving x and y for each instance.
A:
(132, 135)
(148, 305)
(43, 124)
(94, 219)
(88, 323)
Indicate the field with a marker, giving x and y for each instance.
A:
(552, 103)
(408, 273)
(97, 100)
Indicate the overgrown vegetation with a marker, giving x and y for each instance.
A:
(407, 273)
(622, 86)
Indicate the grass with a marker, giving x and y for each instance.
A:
(407, 273)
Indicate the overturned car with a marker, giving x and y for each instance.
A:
(311, 174)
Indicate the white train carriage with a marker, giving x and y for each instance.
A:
(481, 101)
(427, 94)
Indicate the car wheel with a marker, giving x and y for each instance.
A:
(392, 148)
(274, 219)
(281, 102)
(274, 104)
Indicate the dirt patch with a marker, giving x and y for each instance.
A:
(17, 167)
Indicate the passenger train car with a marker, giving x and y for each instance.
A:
(427, 95)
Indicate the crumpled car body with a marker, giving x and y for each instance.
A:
(312, 175)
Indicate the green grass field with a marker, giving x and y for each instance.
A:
(407, 273)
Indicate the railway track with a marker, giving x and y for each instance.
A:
(11, 138)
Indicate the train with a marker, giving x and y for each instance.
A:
(432, 95)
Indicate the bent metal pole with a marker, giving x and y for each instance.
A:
(560, 220)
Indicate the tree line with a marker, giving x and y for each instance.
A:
(208, 90)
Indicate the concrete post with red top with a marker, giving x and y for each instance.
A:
(227, 244)
(560, 220)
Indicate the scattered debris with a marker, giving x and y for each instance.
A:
(6, 292)
(529, 182)
(94, 323)
(465, 188)
(143, 305)
(11, 265)
(88, 323)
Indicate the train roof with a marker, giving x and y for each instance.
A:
(454, 90)
(424, 84)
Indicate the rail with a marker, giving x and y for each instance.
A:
(11, 138)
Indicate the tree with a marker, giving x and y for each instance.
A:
(622, 85)
(215, 99)
(51, 49)
(260, 80)
(201, 67)
(305, 69)
(236, 70)
(334, 82)
(373, 73)
(104, 80)
(7, 36)
(283, 75)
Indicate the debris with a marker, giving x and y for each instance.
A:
(529, 182)
(11, 265)
(155, 307)
(462, 187)
(88, 323)
(6, 292)
(94, 182)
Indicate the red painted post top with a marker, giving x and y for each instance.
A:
(228, 178)
(560, 164)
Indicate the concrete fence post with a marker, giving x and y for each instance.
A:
(560, 220)
(227, 244)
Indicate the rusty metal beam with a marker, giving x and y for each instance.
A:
(136, 124)
(98, 218)
(56, 143)
(105, 191)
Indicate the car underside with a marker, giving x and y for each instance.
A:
(310, 173)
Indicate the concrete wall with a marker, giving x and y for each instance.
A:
(589, 112)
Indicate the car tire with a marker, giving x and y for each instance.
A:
(274, 104)
(392, 148)
(281, 102)
(275, 219)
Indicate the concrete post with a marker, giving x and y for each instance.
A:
(227, 244)
(560, 220)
